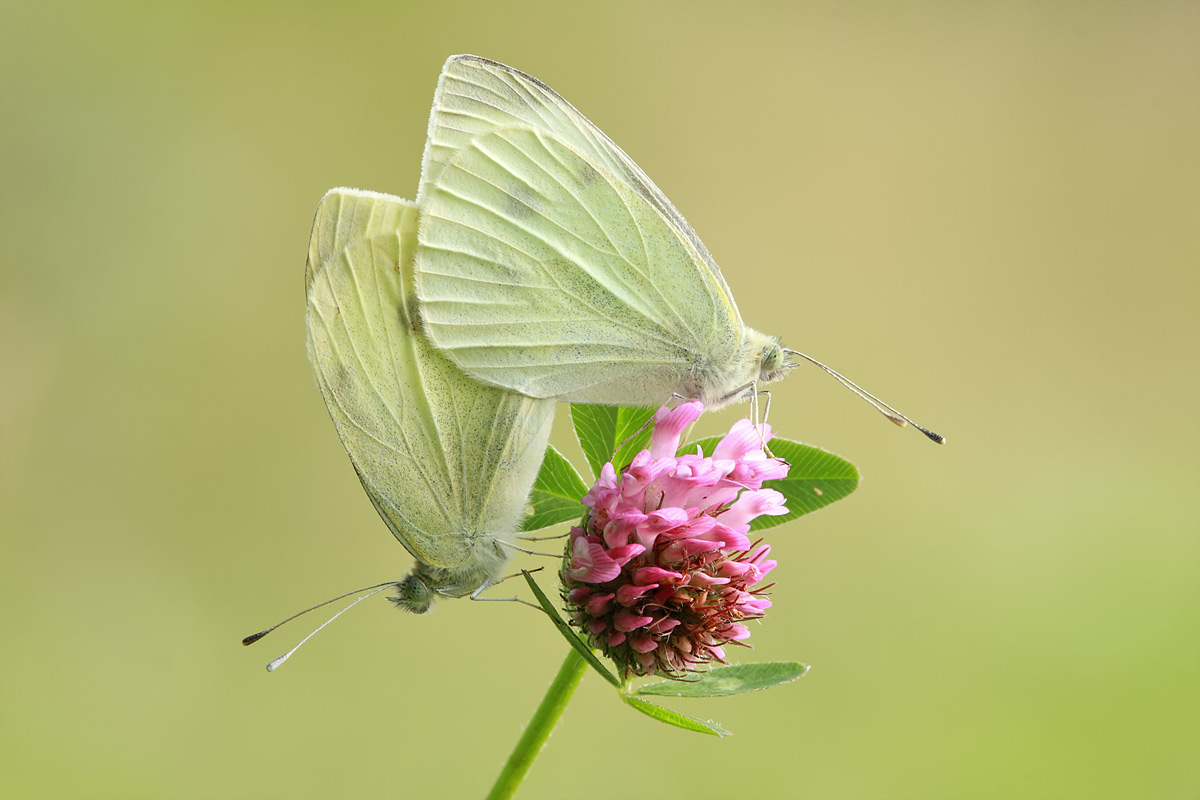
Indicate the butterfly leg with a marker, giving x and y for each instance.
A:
(746, 391)
(543, 538)
(476, 595)
(534, 552)
(755, 393)
(645, 425)
(766, 415)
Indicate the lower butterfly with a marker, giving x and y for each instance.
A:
(447, 462)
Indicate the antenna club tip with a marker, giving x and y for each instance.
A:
(254, 637)
(901, 422)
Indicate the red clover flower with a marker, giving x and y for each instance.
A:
(664, 574)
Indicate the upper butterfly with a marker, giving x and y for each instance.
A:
(549, 264)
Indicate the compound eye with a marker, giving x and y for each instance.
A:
(772, 361)
(413, 595)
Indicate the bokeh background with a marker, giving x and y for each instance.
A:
(989, 214)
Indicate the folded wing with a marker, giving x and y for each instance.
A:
(447, 462)
(548, 263)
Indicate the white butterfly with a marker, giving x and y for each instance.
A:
(549, 264)
(447, 461)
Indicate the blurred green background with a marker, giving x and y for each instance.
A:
(989, 214)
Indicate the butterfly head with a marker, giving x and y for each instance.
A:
(413, 594)
(774, 364)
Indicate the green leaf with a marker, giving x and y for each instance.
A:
(556, 493)
(601, 428)
(817, 478)
(735, 679)
(568, 634)
(674, 718)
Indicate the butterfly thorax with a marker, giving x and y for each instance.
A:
(759, 360)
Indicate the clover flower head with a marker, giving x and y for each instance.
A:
(663, 575)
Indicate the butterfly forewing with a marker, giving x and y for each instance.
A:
(547, 262)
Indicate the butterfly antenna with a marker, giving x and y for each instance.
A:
(254, 637)
(274, 665)
(880, 406)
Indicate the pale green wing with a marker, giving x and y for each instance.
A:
(548, 262)
(447, 462)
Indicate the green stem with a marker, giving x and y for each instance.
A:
(538, 731)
